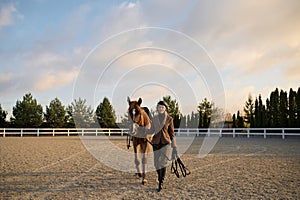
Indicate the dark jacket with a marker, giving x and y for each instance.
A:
(163, 131)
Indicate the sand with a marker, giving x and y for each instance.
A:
(236, 168)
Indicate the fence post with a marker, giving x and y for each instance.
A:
(233, 133)
(96, 132)
(208, 131)
(248, 134)
(265, 133)
(4, 132)
(53, 132)
(82, 132)
(220, 134)
(283, 134)
(108, 132)
(21, 132)
(38, 132)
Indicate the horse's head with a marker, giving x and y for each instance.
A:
(137, 116)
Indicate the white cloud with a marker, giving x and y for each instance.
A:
(57, 79)
(6, 15)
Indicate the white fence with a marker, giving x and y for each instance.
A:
(234, 132)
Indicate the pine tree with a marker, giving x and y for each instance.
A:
(240, 120)
(55, 114)
(105, 114)
(283, 107)
(3, 115)
(292, 111)
(80, 114)
(205, 112)
(256, 122)
(173, 110)
(298, 107)
(233, 121)
(262, 113)
(274, 109)
(268, 114)
(249, 110)
(183, 121)
(27, 113)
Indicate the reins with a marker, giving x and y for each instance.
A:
(174, 168)
(175, 163)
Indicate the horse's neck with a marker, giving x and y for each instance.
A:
(145, 119)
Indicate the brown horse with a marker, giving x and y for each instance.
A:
(140, 122)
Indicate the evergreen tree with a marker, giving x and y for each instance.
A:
(257, 120)
(27, 113)
(268, 114)
(262, 113)
(55, 114)
(200, 121)
(298, 107)
(274, 109)
(3, 115)
(292, 112)
(283, 107)
(105, 114)
(205, 111)
(173, 110)
(80, 114)
(233, 121)
(249, 111)
(183, 121)
(240, 120)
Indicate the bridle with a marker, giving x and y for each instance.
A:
(135, 123)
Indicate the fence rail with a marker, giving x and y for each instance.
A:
(234, 132)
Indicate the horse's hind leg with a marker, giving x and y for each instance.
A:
(137, 162)
(144, 162)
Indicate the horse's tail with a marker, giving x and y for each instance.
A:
(146, 109)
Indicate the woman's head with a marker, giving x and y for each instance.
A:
(162, 107)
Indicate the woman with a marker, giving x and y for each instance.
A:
(163, 139)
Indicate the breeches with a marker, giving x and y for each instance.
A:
(161, 155)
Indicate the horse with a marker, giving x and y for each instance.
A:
(140, 122)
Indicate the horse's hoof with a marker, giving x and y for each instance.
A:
(138, 175)
(144, 181)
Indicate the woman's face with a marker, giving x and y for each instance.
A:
(161, 109)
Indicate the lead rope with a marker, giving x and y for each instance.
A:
(174, 168)
(175, 163)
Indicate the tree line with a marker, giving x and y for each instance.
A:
(281, 109)
(27, 113)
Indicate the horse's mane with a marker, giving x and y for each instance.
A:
(146, 109)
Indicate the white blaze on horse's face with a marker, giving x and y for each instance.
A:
(134, 124)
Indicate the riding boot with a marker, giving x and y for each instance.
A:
(161, 177)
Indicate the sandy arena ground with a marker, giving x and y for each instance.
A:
(236, 168)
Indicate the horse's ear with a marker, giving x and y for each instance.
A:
(140, 101)
(128, 100)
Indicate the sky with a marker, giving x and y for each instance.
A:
(191, 50)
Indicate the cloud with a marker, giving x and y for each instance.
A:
(293, 72)
(57, 79)
(6, 15)
(249, 35)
